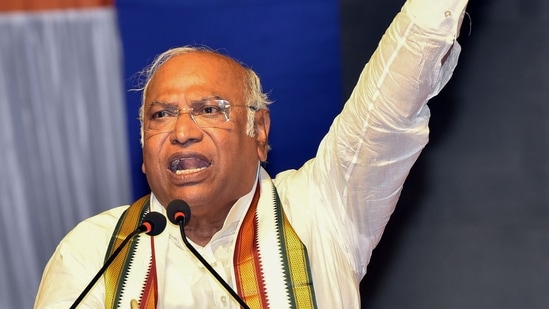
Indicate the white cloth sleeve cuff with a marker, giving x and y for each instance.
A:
(438, 16)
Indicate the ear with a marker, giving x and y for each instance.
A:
(262, 124)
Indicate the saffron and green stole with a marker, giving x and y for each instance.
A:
(270, 262)
(117, 273)
(271, 259)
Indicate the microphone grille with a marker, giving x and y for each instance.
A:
(157, 223)
(179, 211)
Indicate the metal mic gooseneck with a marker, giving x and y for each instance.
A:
(153, 224)
(179, 213)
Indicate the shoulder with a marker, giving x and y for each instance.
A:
(93, 233)
(102, 221)
(76, 259)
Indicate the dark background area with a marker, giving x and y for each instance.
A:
(471, 229)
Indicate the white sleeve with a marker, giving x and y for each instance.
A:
(76, 260)
(358, 173)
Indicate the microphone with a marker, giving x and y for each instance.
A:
(179, 213)
(153, 224)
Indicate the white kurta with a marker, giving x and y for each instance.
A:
(338, 203)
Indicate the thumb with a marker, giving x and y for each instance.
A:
(134, 304)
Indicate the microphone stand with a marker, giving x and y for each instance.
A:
(181, 224)
(153, 224)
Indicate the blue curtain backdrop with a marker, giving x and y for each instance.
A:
(293, 46)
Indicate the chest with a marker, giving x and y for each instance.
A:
(188, 284)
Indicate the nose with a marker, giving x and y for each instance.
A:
(185, 130)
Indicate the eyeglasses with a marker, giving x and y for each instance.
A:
(206, 113)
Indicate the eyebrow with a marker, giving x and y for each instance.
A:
(165, 104)
(168, 105)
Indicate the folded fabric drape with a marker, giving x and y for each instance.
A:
(62, 130)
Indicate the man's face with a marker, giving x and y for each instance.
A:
(209, 168)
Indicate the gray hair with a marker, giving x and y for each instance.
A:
(254, 95)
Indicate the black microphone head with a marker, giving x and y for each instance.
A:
(179, 211)
(153, 223)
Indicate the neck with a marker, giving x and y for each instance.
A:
(203, 226)
(202, 232)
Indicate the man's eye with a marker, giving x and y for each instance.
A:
(209, 110)
(163, 114)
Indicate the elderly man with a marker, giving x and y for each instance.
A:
(300, 240)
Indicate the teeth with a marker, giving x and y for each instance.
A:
(182, 172)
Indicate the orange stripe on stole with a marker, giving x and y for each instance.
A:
(149, 296)
(247, 269)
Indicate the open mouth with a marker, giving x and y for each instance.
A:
(187, 165)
